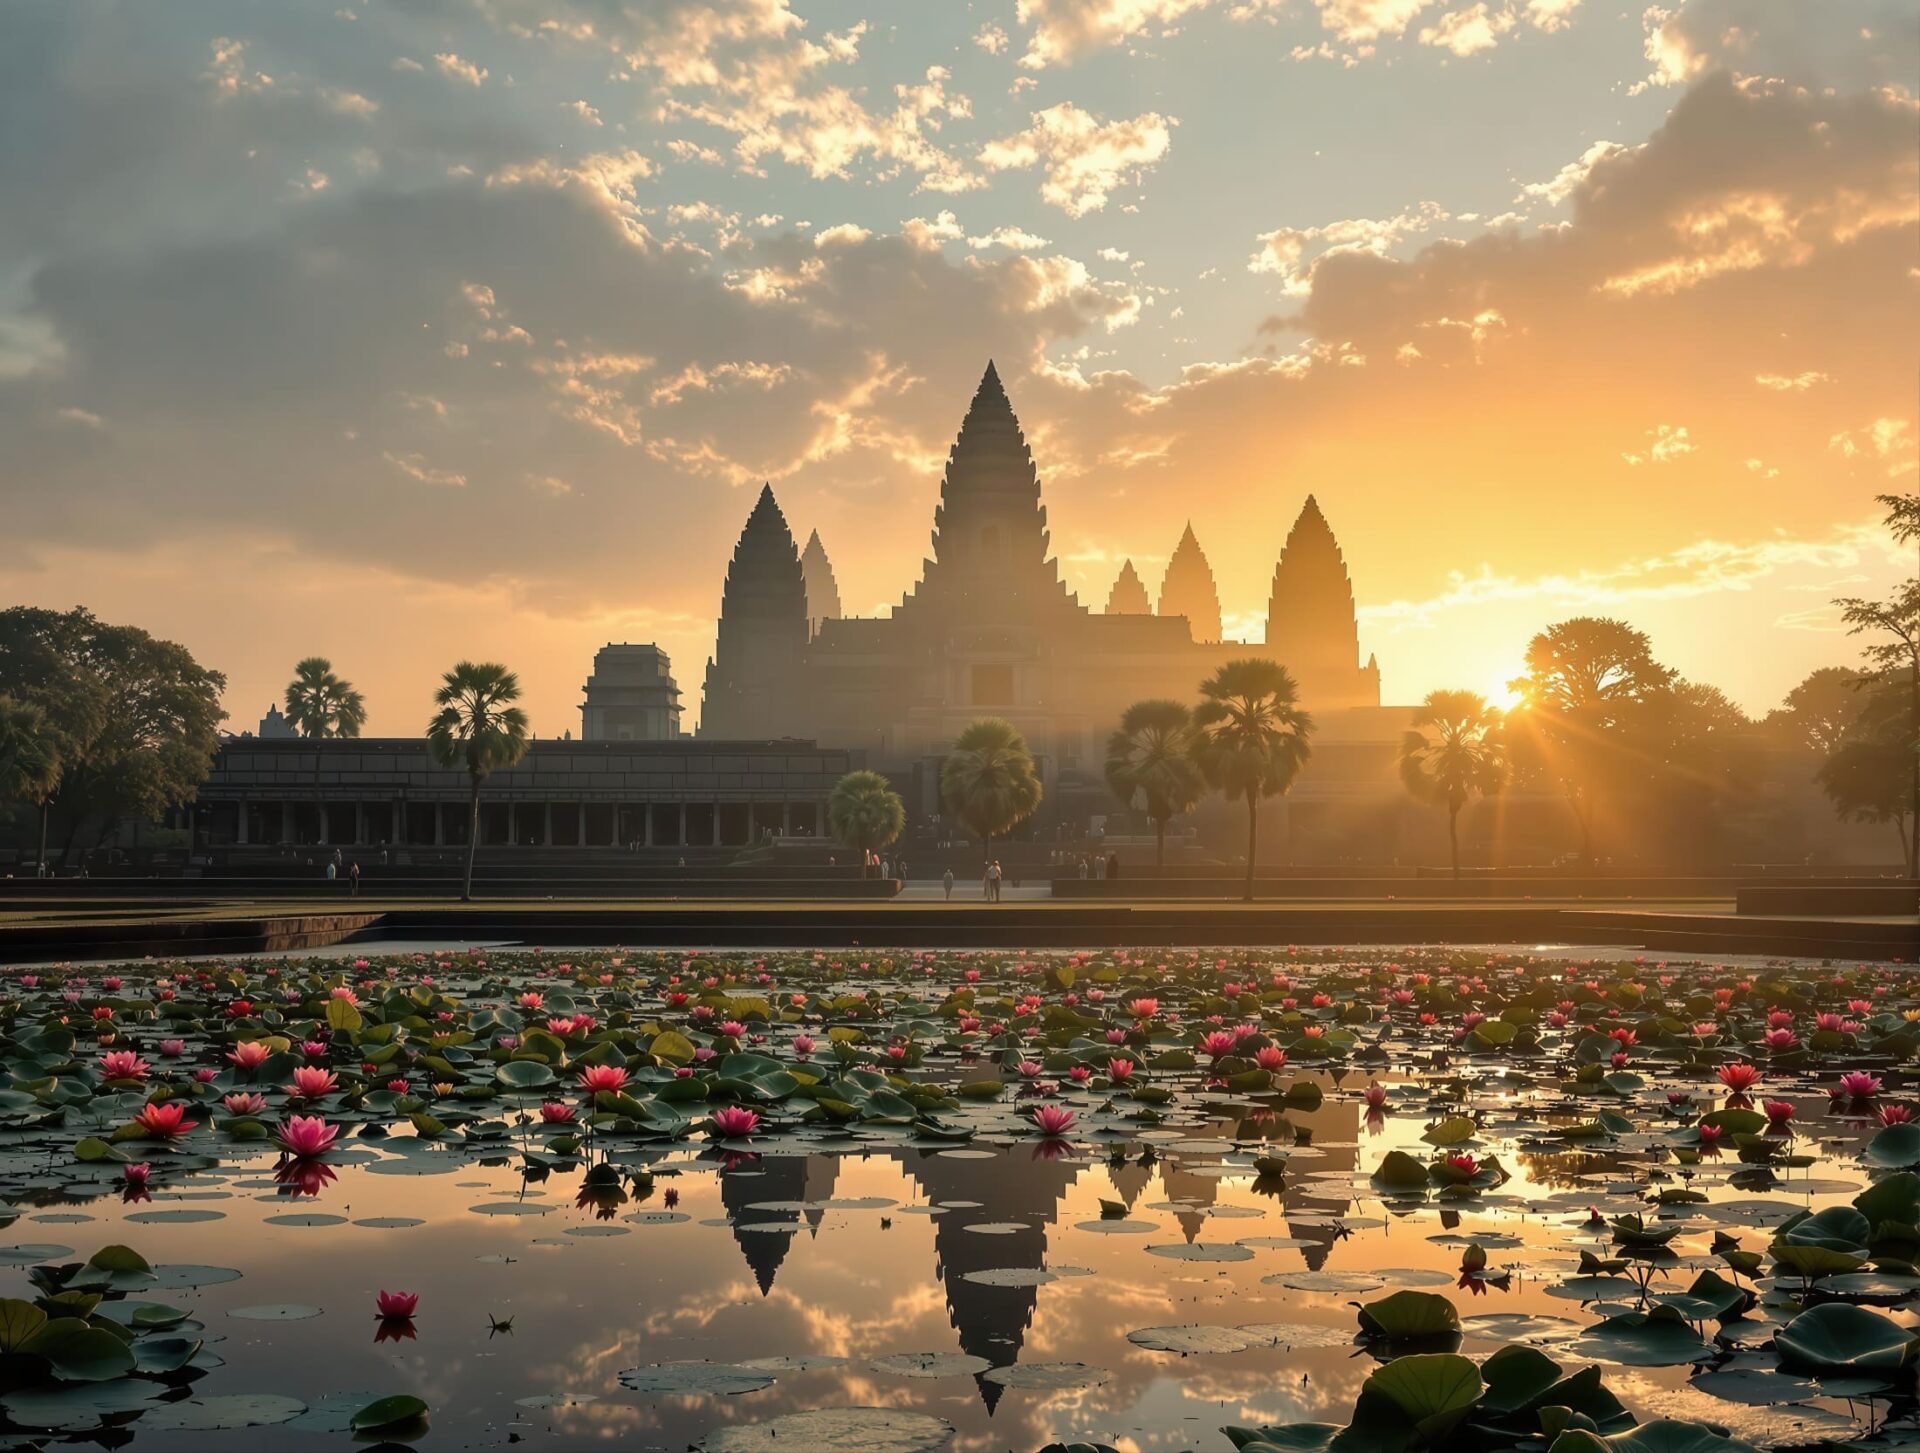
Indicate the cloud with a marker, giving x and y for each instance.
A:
(1855, 45)
(459, 69)
(1292, 253)
(1670, 442)
(1064, 29)
(1083, 158)
(1469, 31)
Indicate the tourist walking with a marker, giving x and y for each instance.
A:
(353, 872)
(947, 879)
(993, 880)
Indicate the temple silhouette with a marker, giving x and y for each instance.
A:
(990, 627)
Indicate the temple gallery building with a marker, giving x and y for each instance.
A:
(990, 629)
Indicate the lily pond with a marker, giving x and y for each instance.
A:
(1271, 1199)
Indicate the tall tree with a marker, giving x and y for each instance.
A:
(1893, 648)
(479, 728)
(133, 720)
(989, 781)
(1251, 738)
(1454, 751)
(1150, 765)
(320, 706)
(29, 763)
(1816, 714)
(1865, 774)
(1584, 706)
(865, 813)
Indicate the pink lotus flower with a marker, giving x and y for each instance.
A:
(731, 1122)
(1031, 1069)
(173, 1048)
(1710, 1134)
(136, 1176)
(1466, 1165)
(733, 1029)
(803, 1045)
(1739, 1077)
(1860, 1085)
(1144, 1008)
(1120, 1070)
(1079, 1074)
(553, 1112)
(249, 1055)
(1270, 1058)
(1895, 1114)
(123, 1064)
(306, 1135)
(968, 1024)
(1779, 1112)
(165, 1120)
(310, 1083)
(529, 1000)
(1376, 1096)
(396, 1305)
(1781, 1039)
(1221, 1042)
(596, 1078)
(1116, 1036)
(250, 1103)
(1053, 1119)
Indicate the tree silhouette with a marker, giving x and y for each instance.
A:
(479, 728)
(1454, 751)
(865, 813)
(1250, 737)
(1150, 765)
(1865, 775)
(1897, 619)
(1583, 703)
(1816, 714)
(29, 762)
(320, 705)
(988, 780)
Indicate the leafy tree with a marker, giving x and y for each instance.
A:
(477, 727)
(1865, 774)
(320, 705)
(1817, 712)
(865, 813)
(133, 720)
(1150, 765)
(989, 781)
(1251, 737)
(1893, 626)
(1454, 751)
(1584, 707)
(29, 762)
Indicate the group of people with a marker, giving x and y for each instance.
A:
(339, 867)
(1092, 865)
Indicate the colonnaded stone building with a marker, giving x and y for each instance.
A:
(990, 629)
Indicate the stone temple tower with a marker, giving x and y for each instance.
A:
(762, 641)
(1129, 595)
(1187, 589)
(1312, 627)
(823, 591)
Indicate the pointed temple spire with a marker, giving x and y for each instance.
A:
(1188, 589)
(1312, 627)
(823, 591)
(763, 628)
(990, 539)
(1128, 596)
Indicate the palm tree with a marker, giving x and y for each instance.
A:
(865, 813)
(1250, 737)
(988, 780)
(1454, 750)
(29, 763)
(321, 705)
(1150, 765)
(479, 728)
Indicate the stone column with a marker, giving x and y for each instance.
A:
(680, 839)
(716, 824)
(439, 825)
(646, 825)
(359, 823)
(819, 820)
(786, 819)
(240, 837)
(580, 825)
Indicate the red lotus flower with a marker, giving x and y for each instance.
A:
(1053, 1119)
(731, 1122)
(307, 1135)
(595, 1078)
(553, 1112)
(1271, 1058)
(165, 1120)
(310, 1083)
(123, 1064)
(1739, 1077)
(396, 1304)
(1120, 1070)
(1779, 1112)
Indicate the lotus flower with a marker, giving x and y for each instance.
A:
(733, 1029)
(1710, 1135)
(1895, 1114)
(310, 1083)
(1270, 1058)
(247, 1103)
(306, 1135)
(803, 1045)
(1144, 1008)
(1376, 1097)
(1779, 1112)
(1120, 1071)
(1739, 1077)
(136, 1176)
(1467, 1165)
(1221, 1042)
(173, 1048)
(1860, 1085)
(553, 1112)
(123, 1064)
(249, 1055)
(164, 1120)
(396, 1304)
(1053, 1119)
(731, 1122)
(595, 1078)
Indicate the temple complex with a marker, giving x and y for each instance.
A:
(991, 629)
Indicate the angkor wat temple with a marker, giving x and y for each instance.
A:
(991, 629)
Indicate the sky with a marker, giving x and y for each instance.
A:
(413, 331)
